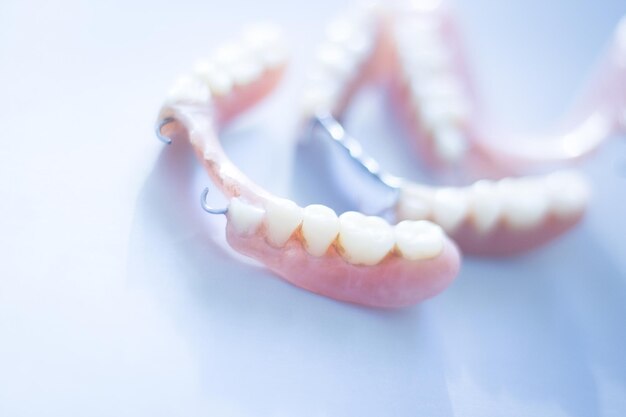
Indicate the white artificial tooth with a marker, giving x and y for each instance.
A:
(219, 82)
(450, 207)
(244, 217)
(442, 111)
(415, 203)
(419, 239)
(340, 30)
(246, 71)
(318, 99)
(442, 86)
(450, 143)
(365, 240)
(283, 218)
(259, 36)
(320, 227)
(267, 43)
(524, 201)
(203, 67)
(276, 56)
(189, 89)
(485, 205)
(230, 54)
(568, 193)
(335, 59)
(353, 38)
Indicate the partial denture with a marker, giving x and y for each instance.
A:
(351, 257)
(419, 49)
(502, 217)
(432, 87)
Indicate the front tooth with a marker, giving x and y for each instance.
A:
(485, 204)
(320, 227)
(419, 239)
(524, 201)
(449, 207)
(365, 240)
(244, 217)
(568, 192)
(283, 218)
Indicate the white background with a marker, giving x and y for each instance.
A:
(119, 298)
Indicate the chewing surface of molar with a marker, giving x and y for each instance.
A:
(364, 240)
(419, 239)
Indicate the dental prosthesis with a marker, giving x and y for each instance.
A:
(418, 50)
(414, 47)
(351, 257)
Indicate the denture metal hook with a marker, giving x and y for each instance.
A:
(158, 128)
(336, 131)
(208, 208)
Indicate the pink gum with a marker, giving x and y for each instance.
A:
(393, 283)
(506, 241)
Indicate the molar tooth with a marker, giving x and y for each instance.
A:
(524, 201)
(244, 217)
(283, 218)
(365, 240)
(449, 207)
(568, 192)
(485, 205)
(320, 227)
(419, 239)
(415, 203)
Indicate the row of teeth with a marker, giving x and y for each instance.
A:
(522, 203)
(260, 48)
(438, 97)
(348, 42)
(360, 239)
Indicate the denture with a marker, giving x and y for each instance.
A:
(415, 47)
(507, 216)
(350, 257)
